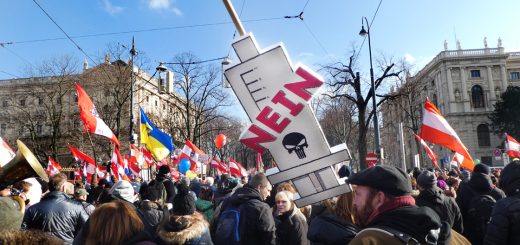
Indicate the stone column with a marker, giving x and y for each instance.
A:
(503, 73)
(465, 96)
(451, 93)
(491, 86)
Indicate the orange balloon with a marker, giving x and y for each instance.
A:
(220, 141)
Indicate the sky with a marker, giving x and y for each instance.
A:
(410, 29)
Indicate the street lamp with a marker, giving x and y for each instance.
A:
(225, 61)
(363, 33)
(133, 53)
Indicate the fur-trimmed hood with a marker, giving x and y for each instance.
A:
(182, 229)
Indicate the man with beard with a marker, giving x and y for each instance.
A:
(386, 211)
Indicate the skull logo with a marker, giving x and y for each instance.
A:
(295, 142)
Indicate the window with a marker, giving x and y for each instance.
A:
(515, 75)
(5, 103)
(483, 135)
(457, 95)
(39, 129)
(486, 160)
(3, 129)
(22, 102)
(434, 100)
(40, 101)
(164, 107)
(477, 96)
(58, 100)
(475, 73)
(433, 83)
(21, 130)
(147, 98)
(156, 103)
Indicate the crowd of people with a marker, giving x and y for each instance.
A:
(387, 206)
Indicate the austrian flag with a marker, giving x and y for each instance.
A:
(53, 167)
(428, 150)
(437, 130)
(192, 153)
(236, 168)
(90, 117)
(513, 147)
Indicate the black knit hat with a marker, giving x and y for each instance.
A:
(390, 180)
(482, 168)
(427, 179)
(510, 178)
(184, 201)
(344, 171)
(164, 169)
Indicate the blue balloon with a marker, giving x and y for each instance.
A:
(184, 165)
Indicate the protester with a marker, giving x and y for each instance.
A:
(96, 191)
(291, 226)
(504, 226)
(433, 197)
(204, 204)
(151, 208)
(336, 226)
(256, 224)
(56, 213)
(163, 176)
(184, 225)
(116, 223)
(81, 196)
(386, 211)
(476, 190)
(11, 209)
(224, 189)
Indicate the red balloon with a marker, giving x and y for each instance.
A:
(220, 141)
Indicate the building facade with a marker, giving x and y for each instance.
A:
(43, 111)
(464, 85)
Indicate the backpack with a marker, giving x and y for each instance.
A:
(160, 188)
(227, 227)
(479, 212)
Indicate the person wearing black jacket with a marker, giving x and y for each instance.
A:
(56, 213)
(479, 184)
(291, 225)
(152, 212)
(505, 219)
(171, 190)
(446, 207)
(256, 224)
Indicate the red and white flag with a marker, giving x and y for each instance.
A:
(116, 165)
(428, 150)
(457, 160)
(52, 167)
(85, 160)
(6, 153)
(437, 130)
(192, 153)
(236, 168)
(90, 117)
(136, 156)
(77, 173)
(148, 158)
(219, 166)
(513, 147)
(259, 162)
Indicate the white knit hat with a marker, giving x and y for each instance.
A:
(124, 190)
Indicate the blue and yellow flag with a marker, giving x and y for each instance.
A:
(157, 142)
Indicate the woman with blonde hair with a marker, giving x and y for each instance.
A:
(291, 225)
(116, 222)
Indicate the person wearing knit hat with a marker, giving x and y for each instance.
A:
(123, 190)
(505, 221)
(184, 225)
(433, 197)
(168, 186)
(482, 168)
(383, 199)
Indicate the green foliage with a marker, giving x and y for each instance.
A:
(506, 117)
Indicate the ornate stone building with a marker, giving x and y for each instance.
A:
(464, 84)
(43, 111)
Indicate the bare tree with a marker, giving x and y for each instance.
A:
(202, 96)
(42, 111)
(345, 83)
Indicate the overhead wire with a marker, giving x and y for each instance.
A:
(371, 23)
(15, 76)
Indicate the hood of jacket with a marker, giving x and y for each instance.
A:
(418, 222)
(148, 205)
(244, 194)
(481, 183)
(431, 195)
(330, 229)
(184, 228)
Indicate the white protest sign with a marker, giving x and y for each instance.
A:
(276, 99)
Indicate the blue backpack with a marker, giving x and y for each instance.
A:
(227, 227)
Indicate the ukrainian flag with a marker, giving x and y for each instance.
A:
(157, 142)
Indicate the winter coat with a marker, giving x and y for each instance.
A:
(330, 229)
(187, 229)
(291, 228)
(170, 188)
(89, 208)
(256, 224)
(151, 214)
(478, 184)
(11, 214)
(504, 226)
(419, 223)
(446, 208)
(206, 208)
(57, 214)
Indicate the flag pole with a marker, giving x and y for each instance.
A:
(93, 153)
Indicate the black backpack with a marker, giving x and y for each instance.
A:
(479, 212)
(227, 227)
(160, 188)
